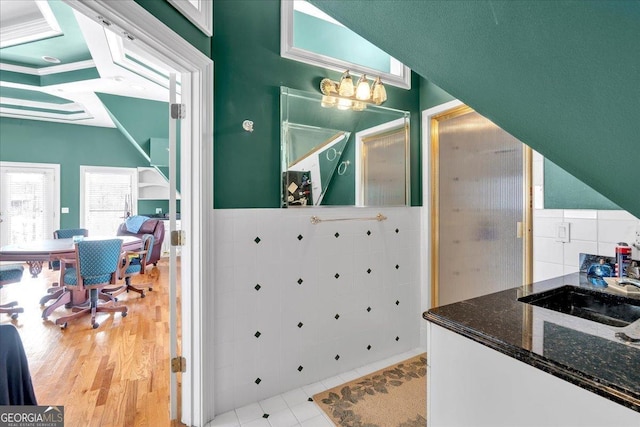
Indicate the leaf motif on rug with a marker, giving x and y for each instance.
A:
(418, 421)
(342, 401)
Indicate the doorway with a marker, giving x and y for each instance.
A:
(382, 167)
(479, 204)
(196, 164)
(129, 19)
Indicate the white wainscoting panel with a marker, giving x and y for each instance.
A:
(296, 303)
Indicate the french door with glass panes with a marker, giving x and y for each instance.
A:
(29, 201)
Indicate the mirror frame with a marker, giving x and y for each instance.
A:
(289, 51)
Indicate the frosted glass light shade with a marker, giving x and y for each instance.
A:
(379, 92)
(363, 91)
(346, 85)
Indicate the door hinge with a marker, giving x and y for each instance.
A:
(178, 238)
(178, 111)
(178, 364)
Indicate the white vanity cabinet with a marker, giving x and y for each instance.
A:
(473, 385)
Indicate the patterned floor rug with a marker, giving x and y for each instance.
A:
(395, 396)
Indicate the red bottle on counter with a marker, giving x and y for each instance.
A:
(623, 259)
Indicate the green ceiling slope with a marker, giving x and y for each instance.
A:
(141, 119)
(562, 76)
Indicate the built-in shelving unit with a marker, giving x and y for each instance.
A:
(152, 185)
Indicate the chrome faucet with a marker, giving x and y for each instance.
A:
(629, 281)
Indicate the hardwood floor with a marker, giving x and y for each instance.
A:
(115, 375)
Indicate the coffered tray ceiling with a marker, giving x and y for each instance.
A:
(53, 60)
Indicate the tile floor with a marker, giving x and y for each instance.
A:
(295, 408)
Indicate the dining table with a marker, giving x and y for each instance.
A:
(37, 252)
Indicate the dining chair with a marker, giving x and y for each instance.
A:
(11, 273)
(56, 290)
(66, 233)
(135, 262)
(96, 266)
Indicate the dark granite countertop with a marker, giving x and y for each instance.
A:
(580, 351)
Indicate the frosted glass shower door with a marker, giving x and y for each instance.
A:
(478, 207)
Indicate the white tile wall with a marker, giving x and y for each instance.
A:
(343, 267)
(591, 231)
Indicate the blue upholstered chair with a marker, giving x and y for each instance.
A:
(135, 262)
(55, 291)
(67, 233)
(11, 273)
(96, 266)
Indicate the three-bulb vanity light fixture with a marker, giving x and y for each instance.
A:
(344, 95)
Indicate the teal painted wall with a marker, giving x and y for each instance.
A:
(431, 95)
(248, 74)
(70, 146)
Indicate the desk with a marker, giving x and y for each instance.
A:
(35, 253)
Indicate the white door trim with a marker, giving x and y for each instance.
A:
(425, 218)
(197, 187)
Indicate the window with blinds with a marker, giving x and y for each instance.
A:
(108, 196)
(26, 208)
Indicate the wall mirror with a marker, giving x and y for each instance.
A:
(333, 157)
(309, 35)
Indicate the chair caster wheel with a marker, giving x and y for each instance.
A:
(95, 325)
(14, 316)
(63, 326)
(115, 299)
(124, 314)
(150, 289)
(142, 295)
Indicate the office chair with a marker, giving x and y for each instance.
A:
(11, 273)
(96, 266)
(135, 262)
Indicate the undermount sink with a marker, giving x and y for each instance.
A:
(612, 310)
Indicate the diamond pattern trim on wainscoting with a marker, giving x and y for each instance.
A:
(290, 312)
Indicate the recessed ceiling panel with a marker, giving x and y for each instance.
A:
(26, 21)
(80, 64)
(67, 46)
(31, 95)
